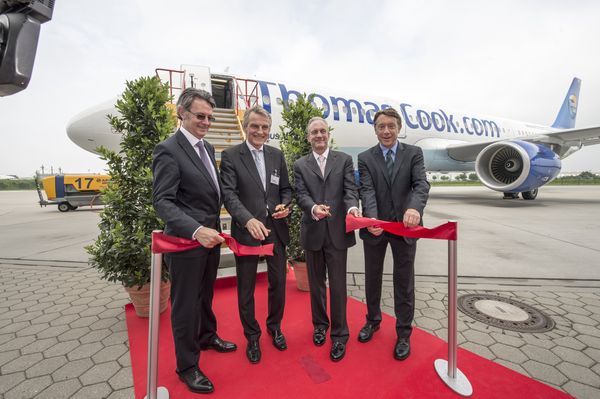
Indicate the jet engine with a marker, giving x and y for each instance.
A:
(516, 166)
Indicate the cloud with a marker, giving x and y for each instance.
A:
(511, 59)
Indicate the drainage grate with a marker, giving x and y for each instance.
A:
(505, 313)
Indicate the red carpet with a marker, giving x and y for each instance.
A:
(305, 371)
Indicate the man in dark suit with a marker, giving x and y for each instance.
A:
(187, 196)
(326, 193)
(393, 187)
(256, 191)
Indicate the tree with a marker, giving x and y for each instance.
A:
(461, 177)
(473, 177)
(587, 175)
(121, 251)
(444, 177)
(293, 144)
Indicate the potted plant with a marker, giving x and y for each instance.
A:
(121, 252)
(294, 145)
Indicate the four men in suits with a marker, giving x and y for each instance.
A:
(257, 192)
(187, 196)
(393, 187)
(326, 192)
(254, 187)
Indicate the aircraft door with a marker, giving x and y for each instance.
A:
(196, 76)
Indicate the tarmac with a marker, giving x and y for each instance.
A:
(63, 331)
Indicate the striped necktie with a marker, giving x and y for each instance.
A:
(389, 163)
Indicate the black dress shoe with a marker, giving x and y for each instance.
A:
(253, 351)
(278, 340)
(196, 381)
(319, 336)
(338, 350)
(402, 349)
(366, 333)
(219, 345)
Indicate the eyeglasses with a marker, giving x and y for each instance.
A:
(202, 117)
(392, 127)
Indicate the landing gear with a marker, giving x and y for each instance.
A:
(530, 195)
(527, 195)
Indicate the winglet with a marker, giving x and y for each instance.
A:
(568, 111)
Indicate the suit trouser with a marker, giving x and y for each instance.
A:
(328, 262)
(246, 267)
(192, 288)
(404, 281)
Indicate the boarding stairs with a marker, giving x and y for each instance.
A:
(225, 131)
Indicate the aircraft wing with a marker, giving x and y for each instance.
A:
(580, 137)
(560, 141)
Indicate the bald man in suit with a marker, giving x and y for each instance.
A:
(326, 192)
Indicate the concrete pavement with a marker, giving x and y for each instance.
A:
(63, 332)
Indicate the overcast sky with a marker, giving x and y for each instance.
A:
(512, 59)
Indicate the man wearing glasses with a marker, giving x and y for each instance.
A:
(393, 187)
(257, 193)
(187, 196)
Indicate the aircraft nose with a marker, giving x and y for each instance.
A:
(90, 128)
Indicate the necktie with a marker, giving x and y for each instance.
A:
(258, 160)
(321, 160)
(207, 163)
(389, 163)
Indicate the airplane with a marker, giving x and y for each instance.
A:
(508, 156)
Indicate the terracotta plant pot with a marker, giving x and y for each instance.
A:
(141, 298)
(301, 274)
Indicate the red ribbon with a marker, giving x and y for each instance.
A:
(447, 231)
(164, 243)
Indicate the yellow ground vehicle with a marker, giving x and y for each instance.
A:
(71, 191)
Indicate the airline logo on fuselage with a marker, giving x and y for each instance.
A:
(363, 112)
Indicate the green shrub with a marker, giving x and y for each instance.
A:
(121, 251)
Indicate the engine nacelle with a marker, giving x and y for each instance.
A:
(516, 166)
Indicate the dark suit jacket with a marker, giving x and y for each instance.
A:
(244, 195)
(388, 200)
(337, 189)
(184, 194)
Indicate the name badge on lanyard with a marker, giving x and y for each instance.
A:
(275, 177)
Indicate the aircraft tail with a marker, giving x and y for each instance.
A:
(568, 111)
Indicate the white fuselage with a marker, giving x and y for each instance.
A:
(350, 116)
(431, 128)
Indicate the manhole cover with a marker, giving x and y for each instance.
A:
(504, 313)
